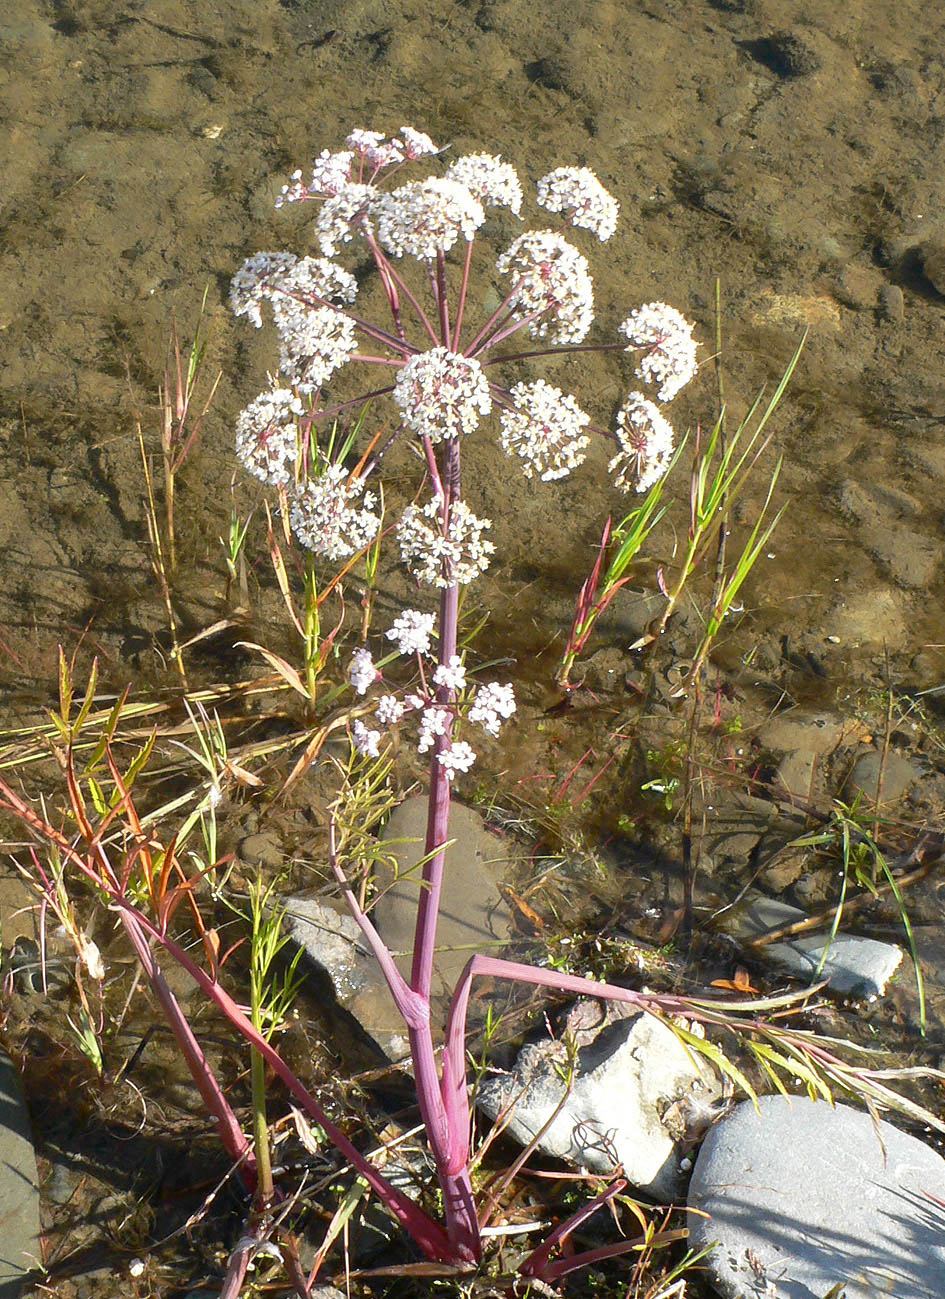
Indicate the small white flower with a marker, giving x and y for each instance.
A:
(389, 710)
(315, 277)
(412, 631)
(361, 671)
(324, 518)
(385, 155)
(267, 437)
(488, 179)
(646, 445)
(366, 742)
(331, 173)
(441, 553)
(458, 757)
(577, 192)
(452, 675)
(426, 217)
(544, 430)
(670, 356)
(433, 722)
(552, 278)
(491, 705)
(442, 394)
(136, 1267)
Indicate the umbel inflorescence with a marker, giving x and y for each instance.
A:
(445, 371)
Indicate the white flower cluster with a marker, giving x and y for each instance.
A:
(365, 741)
(491, 705)
(438, 555)
(344, 214)
(325, 520)
(389, 710)
(413, 631)
(458, 757)
(361, 671)
(551, 279)
(314, 342)
(314, 277)
(267, 437)
(434, 721)
(670, 357)
(544, 430)
(646, 444)
(315, 337)
(442, 394)
(452, 674)
(577, 192)
(254, 281)
(488, 179)
(426, 217)
(332, 171)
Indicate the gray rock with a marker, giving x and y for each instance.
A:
(892, 304)
(933, 264)
(855, 966)
(332, 940)
(473, 916)
(898, 771)
(634, 1085)
(805, 1197)
(20, 1249)
(264, 849)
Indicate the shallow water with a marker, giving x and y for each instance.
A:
(793, 152)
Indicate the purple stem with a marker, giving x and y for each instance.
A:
(427, 1233)
(231, 1134)
(461, 304)
(442, 300)
(537, 1263)
(387, 270)
(458, 1200)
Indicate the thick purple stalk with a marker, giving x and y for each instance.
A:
(438, 1117)
(231, 1134)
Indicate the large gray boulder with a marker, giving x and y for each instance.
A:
(804, 1197)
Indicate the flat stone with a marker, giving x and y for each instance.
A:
(898, 774)
(473, 916)
(20, 1248)
(806, 1197)
(634, 1083)
(333, 941)
(855, 966)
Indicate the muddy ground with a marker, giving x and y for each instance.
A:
(794, 152)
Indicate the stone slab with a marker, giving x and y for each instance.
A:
(804, 1197)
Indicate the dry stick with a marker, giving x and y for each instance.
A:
(855, 904)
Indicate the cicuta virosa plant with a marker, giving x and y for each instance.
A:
(442, 374)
